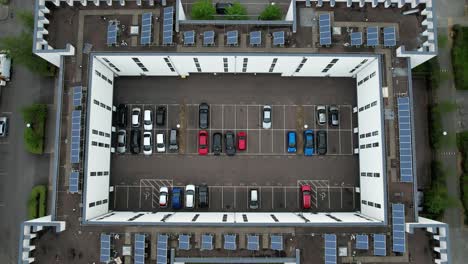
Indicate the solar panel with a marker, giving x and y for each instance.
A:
(398, 224)
(362, 242)
(230, 242)
(276, 242)
(372, 36)
(208, 38)
(380, 248)
(389, 37)
(255, 38)
(76, 138)
(278, 38)
(325, 29)
(232, 37)
(406, 148)
(146, 28)
(161, 253)
(253, 242)
(168, 25)
(77, 94)
(207, 242)
(139, 248)
(105, 248)
(73, 182)
(184, 242)
(112, 33)
(356, 38)
(189, 37)
(330, 248)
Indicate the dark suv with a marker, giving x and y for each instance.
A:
(203, 196)
(204, 115)
(135, 141)
(322, 142)
(217, 146)
(161, 115)
(230, 143)
(122, 115)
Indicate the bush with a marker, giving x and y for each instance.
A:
(462, 143)
(203, 10)
(236, 12)
(460, 57)
(435, 127)
(37, 202)
(4, 2)
(35, 115)
(271, 12)
(431, 70)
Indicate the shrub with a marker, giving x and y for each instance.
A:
(35, 115)
(462, 143)
(271, 12)
(203, 10)
(236, 12)
(431, 70)
(4, 2)
(435, 127)
(37, 202)
(460, 57)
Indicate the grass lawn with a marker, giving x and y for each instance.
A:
(460, 57)
(37, 202)
(462, 142)
(35, 115)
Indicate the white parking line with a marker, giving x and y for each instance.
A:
(260, 132)
(352, 132)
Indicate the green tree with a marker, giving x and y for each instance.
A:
(203, 10)
(271, 12)
(236, 12)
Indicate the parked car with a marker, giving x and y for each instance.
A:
(147, 143)
(204, 115)
(121, 141)
(309, 143)
(221, 8)
(266, 117)
(190, 196)
(173, 142)
(253, 198)
(177, 195)
(217, 145)
(203, 196)
(321, 115)
(160, 115)
(230, 143)
(292, 142)
(135, 141)
(163, 196)
(203, 142)
(136, 116)
(333, 116)
(306, 196)
(241, 140)
(122, 111)
(148, 120)
(3, 126)
(161, 142)
(322, 142)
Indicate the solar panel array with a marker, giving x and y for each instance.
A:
(208, 38)
(230, 242)
(207, 242)
(330, 248)
(278, 38)
(105, 248)
(325, 29)
(168, 25)
(189, 37)
(398, 226)
(184, 242)
(77, 94)
(253, 242)
(276, 242)
(356, 38)
(380, 247)
(139, 254)
(162, 249)
(73, 182)
(406, 148)
(362, 242)
(372, 36)
(112, 33)
(256, 38)
(146, 27)
(232, 37)
(389, 37)
(76, 136)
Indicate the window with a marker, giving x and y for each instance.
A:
(98, 202)
(109, 81)
(376, 144)
(367, 106)
(108, 108)
(93, 173)
(368, 134)
(377, 175)
(106, 173)
(169, 64)
(106, 145)
(377, 205)
(361, 109)
(104, 201)
(298, 69)
(93, 143)
(244, 65)
(97, 73)
(334, 61)
(273, 64)
(369, 146)
(374, 103)
(362, 146)
(364, 202)
(107, 135)
(372, 74)
(101, 133)
(363, 174)
(370, 203)
(362, 136)
(99, 173)
(96, 102)
(94, 131)
(369, 174)
(101, 144)
(102, 105)
(92, 204)
(225, 62)
(197, 64)
(375, 133)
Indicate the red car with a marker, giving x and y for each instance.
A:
(241, 140)
(306, 196)
(202, 142)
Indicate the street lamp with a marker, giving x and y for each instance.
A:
(178, 126)
(28, 125)
(306, 126)
(444, 133)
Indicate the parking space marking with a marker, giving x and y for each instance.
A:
(284, 127)
(260, 132)
(352, 132)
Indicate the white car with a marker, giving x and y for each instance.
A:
(147, 143)
(160, 143)
(190, 196)
(321, 114)
(266, 117)
(148, 120)
(163, 196)
(136, 113)
(121, 141)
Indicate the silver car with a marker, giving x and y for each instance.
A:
(266, 124)
(121, 141)
(3, 126)
(321, 115)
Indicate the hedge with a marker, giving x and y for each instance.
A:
(462, 143)
(37, 202)
(35, 115)
(460, 57)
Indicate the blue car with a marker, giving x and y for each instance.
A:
(292, 142)
(309, 143)
(177, 195)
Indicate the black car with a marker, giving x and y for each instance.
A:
(217, 145)
(204, 115)
(221, 8)
(161, 115)
(122, 111)
(135, 141)
(230, 143)
(203, 196)
(322, 142)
